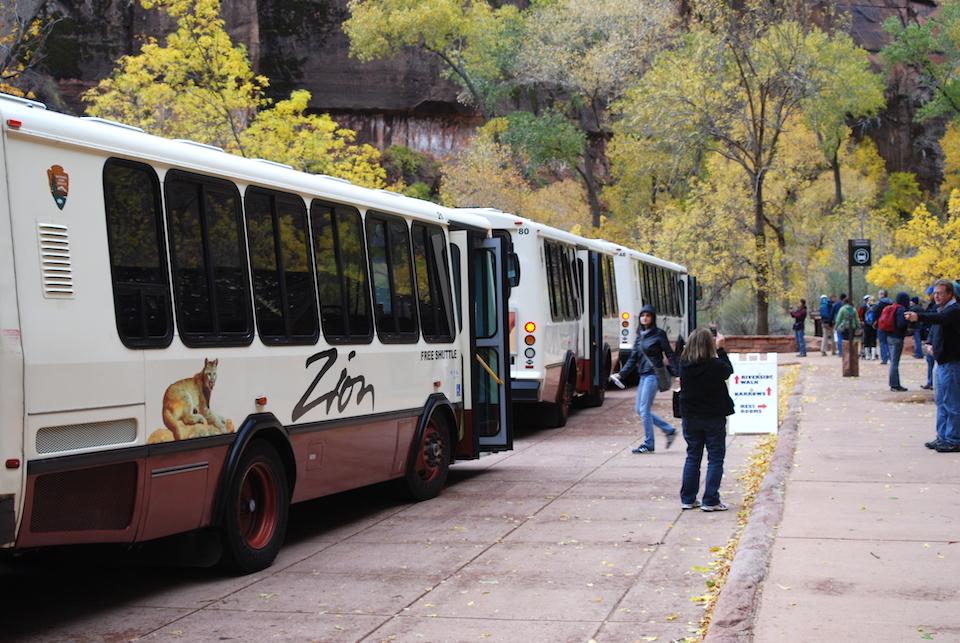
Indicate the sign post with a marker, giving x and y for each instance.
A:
(754, 387)
(858, 254)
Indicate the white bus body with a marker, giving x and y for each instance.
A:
(563, 313)
(644, 279)
(184, 332)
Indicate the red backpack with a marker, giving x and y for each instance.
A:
(888, 318)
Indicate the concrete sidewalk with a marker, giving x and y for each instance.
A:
(868, 546)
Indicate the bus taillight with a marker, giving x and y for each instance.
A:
(529, 327)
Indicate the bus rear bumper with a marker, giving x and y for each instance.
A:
(525, 390)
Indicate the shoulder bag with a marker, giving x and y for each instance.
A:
(676, 404)
(664, 379)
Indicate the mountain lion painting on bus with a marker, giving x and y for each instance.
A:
(59, 182)
(186, 408)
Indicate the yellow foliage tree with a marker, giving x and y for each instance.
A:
(927, 248)
(198, 85)
(22, 39)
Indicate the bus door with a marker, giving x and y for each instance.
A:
(595, 337)
(489, 334)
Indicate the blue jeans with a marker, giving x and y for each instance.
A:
(884, 349)
(646, 391)
(839, 343)
(947, 396)
(895, 345)
(801, 342)
(930, 363)
(917, 344)
(700, 432)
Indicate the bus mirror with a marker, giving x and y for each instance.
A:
(513, 269)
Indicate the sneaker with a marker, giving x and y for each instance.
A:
(690, 505)
(883, 363)
(723, 507)
(671, 437)
(932, 444)
(943, 447)
(927, 387)
(898, 389)
(642, 449)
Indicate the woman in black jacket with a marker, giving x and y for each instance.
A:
(704, 406)
(651, 347)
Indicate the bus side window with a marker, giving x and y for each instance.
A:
(388, 243)
(341, 267)
(210, 281)
(138, 257)
(433, 283)
(283, 291)
(553, 279)
(613, 289)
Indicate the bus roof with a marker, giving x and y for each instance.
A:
(642, 256)
(506, 220)
(21, 117)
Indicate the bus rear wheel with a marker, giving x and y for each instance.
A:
(429, 462)
(561, 410)
(258, 506)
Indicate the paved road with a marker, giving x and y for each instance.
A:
(569, 537)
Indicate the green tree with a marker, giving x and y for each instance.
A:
(198, 85)
(932, 50)
(731, 87)
(475, 41)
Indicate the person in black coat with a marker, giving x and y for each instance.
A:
(651, 347)
(704, 407)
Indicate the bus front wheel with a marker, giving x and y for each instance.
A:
(429, 463)
(258, 505)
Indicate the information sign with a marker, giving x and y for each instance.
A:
(753, 387)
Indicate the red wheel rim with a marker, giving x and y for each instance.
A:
(257, 506)
(430, 454)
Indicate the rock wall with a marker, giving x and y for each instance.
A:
(406, 100)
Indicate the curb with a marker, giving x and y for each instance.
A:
(736, 609)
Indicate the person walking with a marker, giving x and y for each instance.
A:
(826, 326)
(916, 329)
(882, 302)
(651, 347)
(945, 346)
(895, 339)
(869, 330)
(799, 327)
(705, 404)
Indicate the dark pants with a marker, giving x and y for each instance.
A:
(700, 432)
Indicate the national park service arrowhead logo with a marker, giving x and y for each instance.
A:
(59, 182)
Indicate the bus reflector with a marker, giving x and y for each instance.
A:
(625, 324)
(14, 123)
(529, 327)
(13, 463)
(261, 401)
(529, 340)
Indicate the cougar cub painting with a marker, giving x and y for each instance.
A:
(186, 408)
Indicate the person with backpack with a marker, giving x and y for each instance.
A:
(927, 349)
(916, 329)
(799, 322)
(893, 323)
(847, 322)
(836, 309)
(869, 328)
(945, 346)
(882, 302)
(826, 326)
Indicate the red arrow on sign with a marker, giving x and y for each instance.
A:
(761, 406)
(768, 390)
(736, 379)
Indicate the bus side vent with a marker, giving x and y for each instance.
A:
(54, 439)
(100, 498)
(55, 261)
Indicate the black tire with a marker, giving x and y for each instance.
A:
(559, 412)
(429, 461)
(257, 509)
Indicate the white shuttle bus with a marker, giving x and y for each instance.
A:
(191, 340)
(563, 316)
(644, 279)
